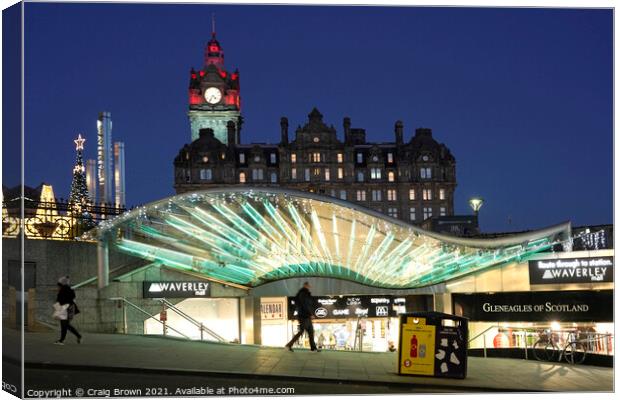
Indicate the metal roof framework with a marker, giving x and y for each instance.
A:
(251, 236)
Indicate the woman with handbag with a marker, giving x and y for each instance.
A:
(65, 309)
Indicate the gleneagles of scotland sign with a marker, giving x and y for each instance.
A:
(176, 289)
(571, 270)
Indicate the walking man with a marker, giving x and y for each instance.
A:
(66, 310)
(304, 304)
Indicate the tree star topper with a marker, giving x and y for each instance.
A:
(79, 142)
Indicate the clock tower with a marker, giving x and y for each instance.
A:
(214, 97)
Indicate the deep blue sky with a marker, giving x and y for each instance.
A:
(522, 97)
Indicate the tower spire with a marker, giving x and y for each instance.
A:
(213, 25)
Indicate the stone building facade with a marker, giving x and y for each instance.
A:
(410, 180)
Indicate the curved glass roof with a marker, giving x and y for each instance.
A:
(251, 236)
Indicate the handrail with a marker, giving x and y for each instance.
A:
(198, 324)
(94, 278)
(146, 313)
(481, 333)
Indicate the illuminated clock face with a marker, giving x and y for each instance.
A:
(213, 95)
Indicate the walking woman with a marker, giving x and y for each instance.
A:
(65, 309)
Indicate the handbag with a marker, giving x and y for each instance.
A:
(72, 311)
(60, 311)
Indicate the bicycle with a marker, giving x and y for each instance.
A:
(574, 352)
(545, 347)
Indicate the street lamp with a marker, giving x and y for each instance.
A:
(476, 203)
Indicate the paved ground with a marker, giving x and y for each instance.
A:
(141, 355)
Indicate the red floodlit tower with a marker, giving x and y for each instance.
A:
(214, 97)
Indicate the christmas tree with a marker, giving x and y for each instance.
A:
(78, 198)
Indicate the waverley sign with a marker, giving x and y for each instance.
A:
(571, 270)
(176, 289)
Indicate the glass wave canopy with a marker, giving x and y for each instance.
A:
(251, 237)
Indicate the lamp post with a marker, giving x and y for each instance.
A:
(476, 203)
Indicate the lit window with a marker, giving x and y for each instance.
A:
(360, 176)
(375, 173)
(257, 174)
(390, 158)
(293, 173)
(274, 177)
(442, 211)
(316, 157)
(206, 174)
(412, 214)
(360, 158)
(340, 160)
(223, 156)
(360, 195)
(442, 194)
(317, 171)
(340, 173)
(411, 194)
(376, 195)
(307, 174)
(293, 158)
(343, 194)
(205, 159)
(241, 177)
(326, 174)
(391, 194)
(425, 173)
(393, 212)
(391, 176)
(427, 194)
(272, 158)
(242, 158)
(428, 212)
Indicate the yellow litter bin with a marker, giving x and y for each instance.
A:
(433, 344)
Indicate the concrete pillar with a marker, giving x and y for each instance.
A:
(103, 264)
(249, 320)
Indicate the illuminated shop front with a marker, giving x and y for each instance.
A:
(253, 238)
(567, 295)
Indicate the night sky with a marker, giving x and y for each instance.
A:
(522, 97)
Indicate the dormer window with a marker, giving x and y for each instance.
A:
(272, 158)
(205, 159)
(242, 158)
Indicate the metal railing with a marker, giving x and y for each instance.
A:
(125, 301)
(202, 328)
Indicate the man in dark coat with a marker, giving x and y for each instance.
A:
(66, 296)
(305, 308)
